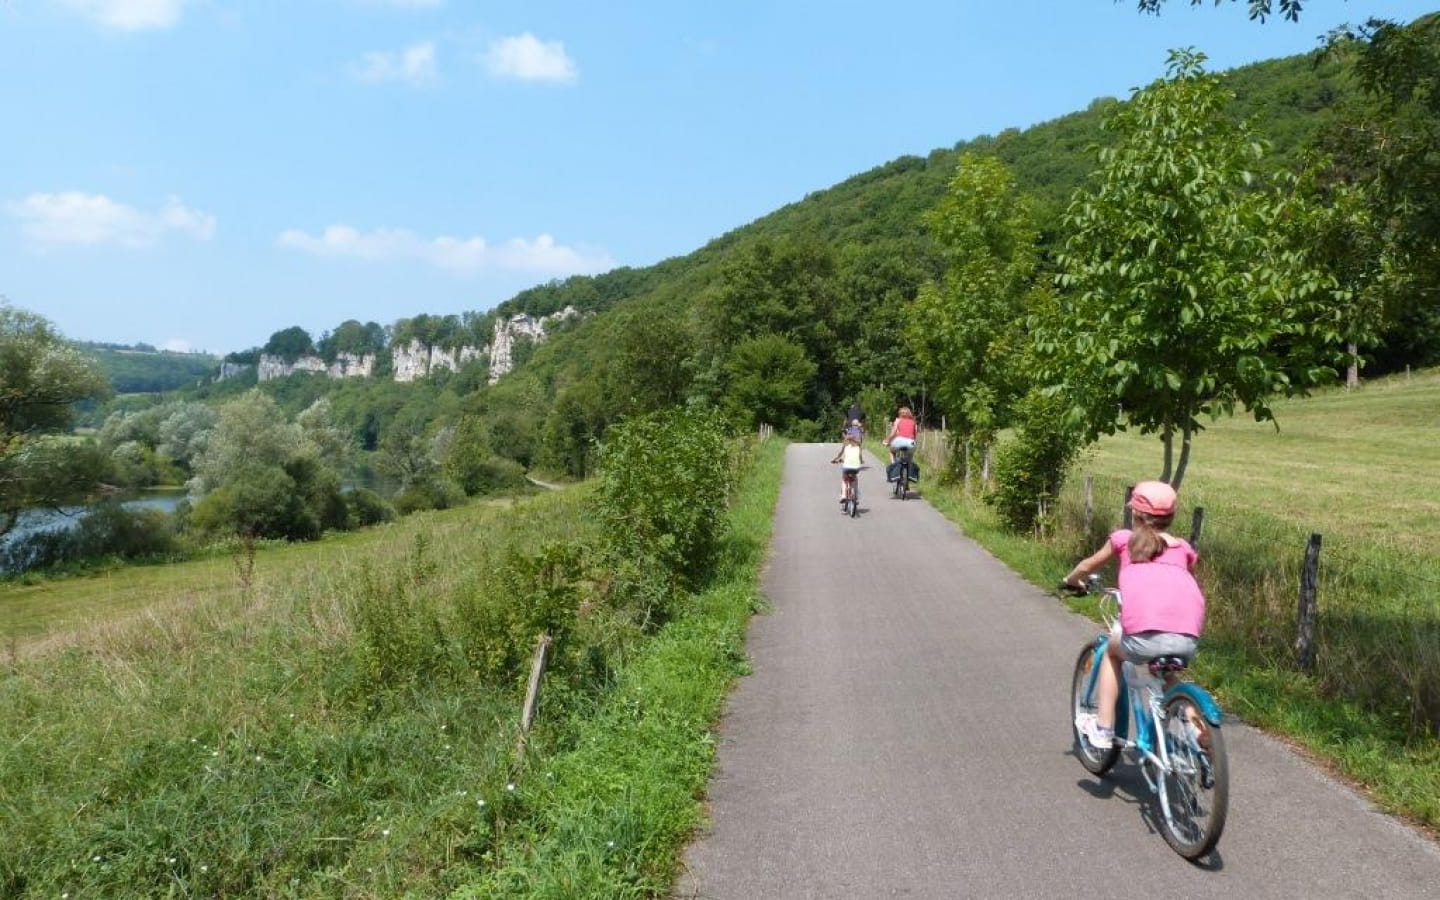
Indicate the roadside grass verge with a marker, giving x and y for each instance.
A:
(607, 817)
(1349, 466)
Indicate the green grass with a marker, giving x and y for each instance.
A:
(1353, 466)
(269, 742)
(40, 611)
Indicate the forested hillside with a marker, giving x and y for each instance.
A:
(142, 369)
(859, 291)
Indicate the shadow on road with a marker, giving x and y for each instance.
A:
(1127, 784)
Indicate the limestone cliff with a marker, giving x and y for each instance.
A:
(417, 360)
(502, 348)
(346, 365)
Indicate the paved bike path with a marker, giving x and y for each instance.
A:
(903, 734)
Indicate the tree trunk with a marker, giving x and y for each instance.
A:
(1168, 439)
(1186, 436)
(1352, 371)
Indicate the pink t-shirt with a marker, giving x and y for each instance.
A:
(1160, 595)
(905, 428)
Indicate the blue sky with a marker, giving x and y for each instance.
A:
(201, 173)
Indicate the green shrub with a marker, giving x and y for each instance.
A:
(434, 492)
(490, 475)
(261, 500)
(365, 507)
(664, 482)
(1030, 466)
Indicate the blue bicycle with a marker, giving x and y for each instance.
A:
(1177, 739)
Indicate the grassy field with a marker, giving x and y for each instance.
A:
(325, 731)
(1356, 467)
(345, 724)
(39, 612)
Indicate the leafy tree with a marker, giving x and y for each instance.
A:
(650, 369)
(573, 427)
(1182, 297)
(332, 443)
(290, 344)
(768, 377)
(967, 330)
(1260, 10)
(251, 430)
(1389, 148)
(262, 475)
(784, 287)
(185, 430)
(41, 378)
(352, 337)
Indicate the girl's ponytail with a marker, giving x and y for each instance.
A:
(1145, 540)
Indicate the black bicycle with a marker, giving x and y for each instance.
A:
(902, 474)
(851, 504)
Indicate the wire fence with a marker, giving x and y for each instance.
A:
(1364, 621)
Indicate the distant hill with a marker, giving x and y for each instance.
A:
(142, 369)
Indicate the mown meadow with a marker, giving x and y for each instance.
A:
(342, 721)
(1355, 467)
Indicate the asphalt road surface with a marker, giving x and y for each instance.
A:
(904, 733)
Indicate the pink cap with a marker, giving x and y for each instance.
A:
(1154, 498)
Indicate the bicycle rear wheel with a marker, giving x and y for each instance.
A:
(1197, 787)
(1095, 760)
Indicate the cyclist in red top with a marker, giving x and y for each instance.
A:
(902, 432)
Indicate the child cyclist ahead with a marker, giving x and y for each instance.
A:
(851, 458)
(1163, 610)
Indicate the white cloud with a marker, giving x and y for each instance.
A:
(415, 65)
(526, 58)
(456, 254)
(76, 218)
(177, 345)
(129, 15)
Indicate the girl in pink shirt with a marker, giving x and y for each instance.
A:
(1163, 610)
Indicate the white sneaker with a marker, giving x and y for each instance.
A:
(1098, 736)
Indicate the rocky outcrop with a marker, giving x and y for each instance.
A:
(351, 365)
(232, 370)
(346, 365)
(502, 348)
(417, 360)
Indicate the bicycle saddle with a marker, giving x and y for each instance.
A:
(1161, 664)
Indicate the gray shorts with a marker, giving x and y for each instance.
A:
(1144, 646)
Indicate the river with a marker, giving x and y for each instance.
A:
(35, 520)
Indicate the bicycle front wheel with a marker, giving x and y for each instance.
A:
(1083, 703)
(1197, 787)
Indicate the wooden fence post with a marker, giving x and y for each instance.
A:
(1197, 522)
(1309, 577)
(1089, 504)
(532, 690)
(967, 467)
(1126, 516)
